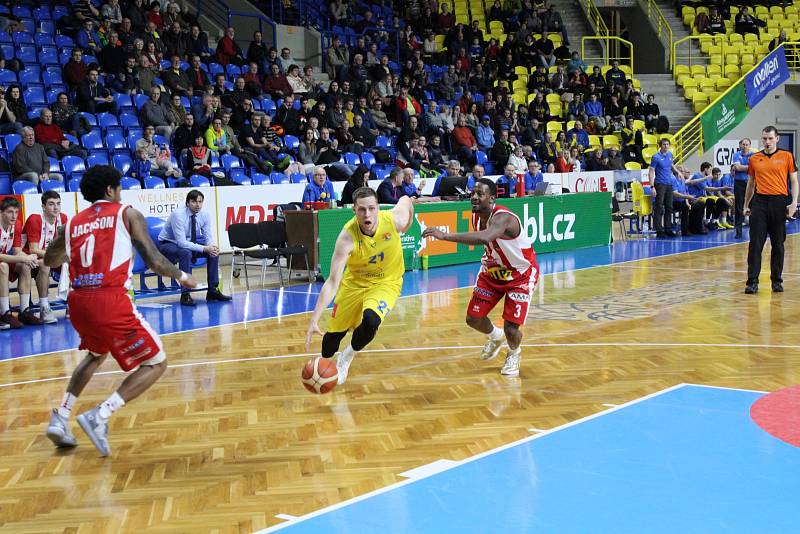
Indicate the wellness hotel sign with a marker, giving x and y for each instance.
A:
(772, 72)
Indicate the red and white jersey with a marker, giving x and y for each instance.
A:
(508, 258)
(11, 238)
(38, 230)
(99, 247)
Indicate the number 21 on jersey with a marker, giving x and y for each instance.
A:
(376, 258)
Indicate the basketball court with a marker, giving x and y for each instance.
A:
(642, 405)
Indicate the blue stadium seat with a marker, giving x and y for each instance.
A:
(97, 159)
(22, 187)
(139, 100)
(122, 162)
(115, 141)
(52, 94)
(240, 177)
(352, 158)
(42, 39)
(22, 12)
(154, 182)
(51, 78)
(230, 161)
(104, 120)
(278, 178)
(42, 13)
(55, 165)
(90, 117)
(129, 120)
(480, 157)
(12, 140)
(269, 107)
(123, 100)
(74, 184)
(291, 142)
(8, 76)
(368, 159)
(199, 181)
(5, 185)
(28, 76)
(34, 95)
(52, 185)
(130, 183)
(92, 139)
(383, 141)
(259, 178)
(72, 164)
(298, 178)
(22, 38)
(26, 53)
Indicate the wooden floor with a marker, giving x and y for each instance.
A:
(229, 438)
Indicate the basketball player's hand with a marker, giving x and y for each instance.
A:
(32, 261)
(433, 232)
(313, 328)
(188, 282)
(791, 209)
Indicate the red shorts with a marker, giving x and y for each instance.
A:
(108, 321)
(12, 272)
(488, 292)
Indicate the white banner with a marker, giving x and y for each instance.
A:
(33, 204)
(588, 182)
(723, 153)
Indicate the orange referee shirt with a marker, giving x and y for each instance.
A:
(771, 171)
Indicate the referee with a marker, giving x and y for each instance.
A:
(765, 202)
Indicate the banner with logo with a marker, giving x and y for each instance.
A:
(553, 223)
(723, 154)
(768, 75)
(723, 116)
(588, 182)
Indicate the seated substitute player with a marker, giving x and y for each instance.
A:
(40, 229)
(369, 246)
(508, 268)
(15, 265)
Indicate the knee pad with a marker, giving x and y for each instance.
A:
(371, 320)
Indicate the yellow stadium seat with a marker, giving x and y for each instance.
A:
(637, 85)
(731, 59)
(707, 85)
(701, 9)
(722, 84)
(698, 70)
(650, 139)
(647, 154)
(519, 69)
(550, 70)
(570, 125)
(761, 12)
(555, 38)
(716, 59)
(553, 98)
(610, 140)
(555, 109)
(604, 69)
(775, 10)
(714, 49)
(690, 87)
(750, 38)
(714, 75)
(496, 26)
(595, 141)
(638, 125)
(519, 85)
(555, 126)
(519, 98)
(699, 102)
(790, 10)
(633, 166)
(682, 78)
(714, 69)
(732, 69)
(735, 38)
(680, 69)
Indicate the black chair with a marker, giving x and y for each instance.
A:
(273, 236)
(246, 242)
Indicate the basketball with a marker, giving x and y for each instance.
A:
(320, 375)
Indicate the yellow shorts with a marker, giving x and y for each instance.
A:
(350, 304)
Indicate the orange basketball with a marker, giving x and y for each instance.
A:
(320, 375)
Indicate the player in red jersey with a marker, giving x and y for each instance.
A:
(39, 230)
(98, 244)
(15, 265)
(508, 268)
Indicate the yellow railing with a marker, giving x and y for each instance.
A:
(594, 16)
(657, 18)
(689, 139)
(690, 59)
(614, 48)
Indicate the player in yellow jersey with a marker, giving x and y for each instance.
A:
(369, 246)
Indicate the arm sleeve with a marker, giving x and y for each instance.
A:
(207, 228)
(308, 194)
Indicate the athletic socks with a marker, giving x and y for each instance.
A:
(24, 302)
(496, 334)
(111, 405)
(44, 303)
(65, 408)
(4, 305)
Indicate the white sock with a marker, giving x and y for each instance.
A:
(4, 305)
(348, 352)
(496, 334)
(65, 408)
(514, 351)
(111, 405)
(24, 302)
(44, 303)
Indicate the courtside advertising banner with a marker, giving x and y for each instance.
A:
(769, 75)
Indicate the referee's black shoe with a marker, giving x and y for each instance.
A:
(777, 287)
(751, 289)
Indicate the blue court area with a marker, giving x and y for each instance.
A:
(169, 317)
(688, 459)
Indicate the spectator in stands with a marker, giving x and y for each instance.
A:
(197, 44)
(651, 112)
(320, 189)
(390, 189)
(615, 76)
(8, 119)
(309, 151)
(257, 51)
(126, 79)
(155, 113)
(188, 235)
(296, 81)
(614, 159)
(597, 162)
(176, 80)
(464, 143)
(147, 75)
(87, 38)
(380, 119)
(93, 97)
(15, 105)
(204, 111)
(228, 52)
(159, 156)
(409, 187)
(714, 23)
(517, 159)
(484, 134)
(779, 40)
(29, 160)
(287, 117)
(184, 135)
(197, 77)
(175, 41)
(15, 265)
(336, 59)
(581, 136)
(136, 12)
(111, 10)
(746, 23)
(286, 60)
(276, 84)
(406, 105)
(502, 149)
(361, 134)
(175, 111)
(153, 43)
(263, 141)
(53, 140)
(126, 34)
(199, 158)
(548, 153)
(154, 15)
(75, 70)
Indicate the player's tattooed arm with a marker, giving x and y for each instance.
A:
(56, 252)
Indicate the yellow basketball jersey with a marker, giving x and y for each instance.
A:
(374, 259)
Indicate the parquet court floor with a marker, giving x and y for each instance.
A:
(229, 441)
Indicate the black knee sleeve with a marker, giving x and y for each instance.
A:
(330, 343)
(365, 332)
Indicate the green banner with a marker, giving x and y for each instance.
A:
(559, 222)
(723, 116)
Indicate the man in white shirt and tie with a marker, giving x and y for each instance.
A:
(188, 235)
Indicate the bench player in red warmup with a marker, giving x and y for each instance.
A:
(98, 243)
(508, 268)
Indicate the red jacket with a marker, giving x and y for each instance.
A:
(227, 49)
(402, 106)
(48, 134)
(462, 135)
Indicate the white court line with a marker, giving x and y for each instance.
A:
(536, 430)
(646, 268)
(429, 469)
(286, 517)
(245, 321)
(728, 388)
(420, 349)
(609, 405)
(522, 441)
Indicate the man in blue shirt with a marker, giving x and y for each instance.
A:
(484, 134)
(581, 135)
(320, 189)
(508, 180)
(690, 207)
(661, 170)
(188, 235)
(409, 187)
(533, 177)
(390, 190)
(740, 177)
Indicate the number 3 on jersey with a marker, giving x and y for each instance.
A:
(383, 307)
(87, 251)
(374, 259)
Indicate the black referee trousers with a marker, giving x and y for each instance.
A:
(767, 218)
